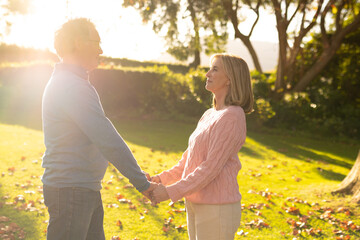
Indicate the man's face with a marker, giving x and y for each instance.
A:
(89, 50)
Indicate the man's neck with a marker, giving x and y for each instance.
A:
(73, 61)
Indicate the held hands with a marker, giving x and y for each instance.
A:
(155, 179)
(159, 194)
(148, 192)
(156, 192)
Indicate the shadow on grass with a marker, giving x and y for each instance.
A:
(250, 152)
(157, 135)
(31, 120)
(295, 147)
(330, 175)
(20, 106)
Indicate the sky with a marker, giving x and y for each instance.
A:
(123, 33)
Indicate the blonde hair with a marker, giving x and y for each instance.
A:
(65, 37)
(240, 91)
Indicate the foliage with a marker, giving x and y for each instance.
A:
(151, 90)
(108, 62)
(202, 23)
(263, 110)
(13, 53)
(197, 80)
(330, 105)
(10, 9)
(334, 94)
(335, 19)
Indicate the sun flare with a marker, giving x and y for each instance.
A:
(122, 33)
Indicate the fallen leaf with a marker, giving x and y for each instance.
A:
(119, 224)
(4, 219)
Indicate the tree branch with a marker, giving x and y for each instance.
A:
(277, 9)
(303, 10)
(236, 6)
(327, 54)
(324, 37)
(304, 31)
(338, 19)
(295, 12)
(286, 9)
(256, 10)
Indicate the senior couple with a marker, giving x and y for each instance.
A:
(80, 141)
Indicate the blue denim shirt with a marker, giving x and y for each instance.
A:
(79, 138)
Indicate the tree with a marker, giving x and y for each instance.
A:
(205, 25)
(335, 19)
(13, 8)
(232, 9)
(334, 93)
(351, 184)
(332, 19)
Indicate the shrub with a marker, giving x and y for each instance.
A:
(196, 79)
(145, 91)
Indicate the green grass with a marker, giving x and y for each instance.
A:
(281, 172)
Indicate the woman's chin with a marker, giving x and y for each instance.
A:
(208, 88)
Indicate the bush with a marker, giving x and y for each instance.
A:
(323, 109)
(157, 91)
(13, 53)
(123, 62)
(145, 91)
(197, 80)
(153, 91)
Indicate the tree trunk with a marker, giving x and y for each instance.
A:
(327, 55)
(197, 60)
(351, 184)
(319, 65)
(251, 50)
(197, 46)
(232, 14)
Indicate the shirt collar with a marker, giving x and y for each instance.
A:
(76, 69)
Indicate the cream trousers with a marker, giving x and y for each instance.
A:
(212, 221)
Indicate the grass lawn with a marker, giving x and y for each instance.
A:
(285, 182)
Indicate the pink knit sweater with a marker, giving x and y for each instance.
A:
(207, 171)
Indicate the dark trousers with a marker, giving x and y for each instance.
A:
(75, 214)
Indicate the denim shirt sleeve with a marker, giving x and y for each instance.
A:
(82, 105)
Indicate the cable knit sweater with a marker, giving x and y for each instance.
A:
(207, 171)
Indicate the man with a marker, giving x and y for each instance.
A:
(79, 139)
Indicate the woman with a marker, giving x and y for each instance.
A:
(206, 175)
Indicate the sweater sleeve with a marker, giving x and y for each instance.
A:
(226, 138)
(174, 174)
(83, 106)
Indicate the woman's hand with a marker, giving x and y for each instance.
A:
(159, 194)
(155, 179)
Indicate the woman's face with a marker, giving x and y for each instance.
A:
(217, 81)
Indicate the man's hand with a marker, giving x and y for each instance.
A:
(148, 192)
(155, 179)
(147, 175)
(159, 194)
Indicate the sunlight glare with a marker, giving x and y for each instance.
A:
(122, 33)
